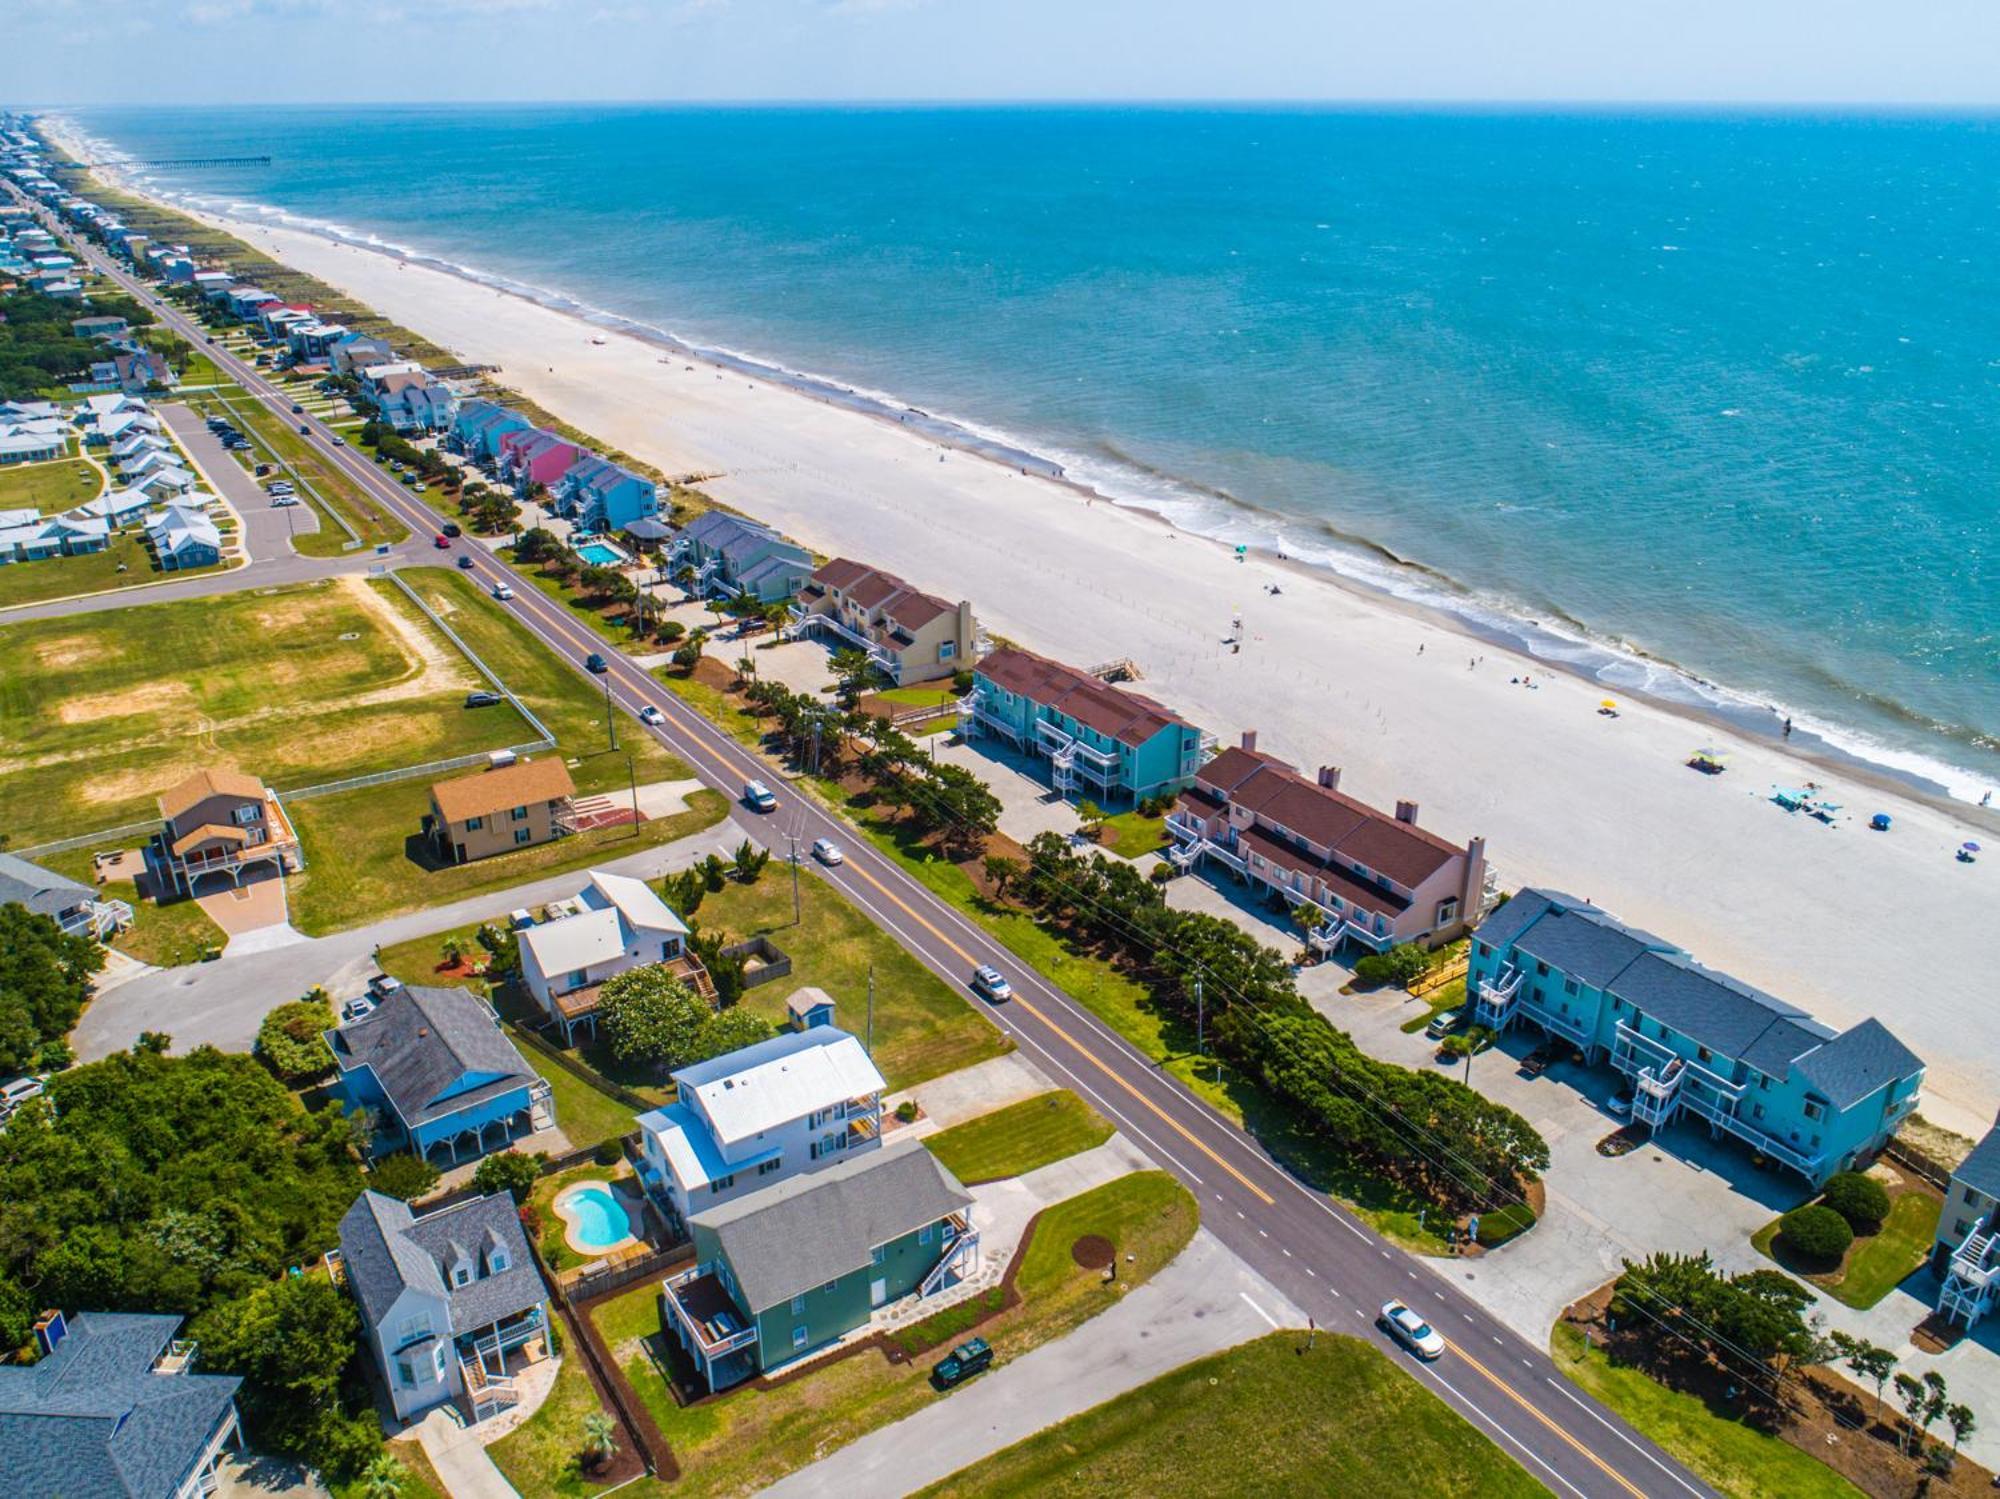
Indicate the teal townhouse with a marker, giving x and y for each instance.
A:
(783, 1273)
(1103, 743)
(599, 495)
(478, 426)
(731, 555)
(1967, 1252)
(1692, 1041)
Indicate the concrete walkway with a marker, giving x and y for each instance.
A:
(461, 1462)
(221, 1003)
(971, 1091)
(1205, 1301)
(1006, 1206)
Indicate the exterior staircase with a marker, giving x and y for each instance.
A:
(1969, 1283)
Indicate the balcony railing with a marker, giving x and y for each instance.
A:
(1056, 740)
(712, 1346)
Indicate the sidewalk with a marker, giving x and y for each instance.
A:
(1205, 1301)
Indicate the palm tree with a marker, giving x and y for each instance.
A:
(746, 667)
(384, 1478)
(600, 1437)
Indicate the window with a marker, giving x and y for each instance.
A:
(1447, 912)
(927, 1233)
(798, 1337)
(1541, 970)
(522, 835)
(1756, 1111)
(947, 650)
(1485, 950)
(723, 1183)
(765, 1168)
(437, 1361)
(245, 816)
(799, 1305)
(461, 1274)
(519, 814)
(415, 1327)
(496, 1261)
(1701, 1054)
(406, 1372)
(1970, 1195)
(878, 1254)
(1960, 1230)
(1815, 1109)
(474, 824)
(1570, 987)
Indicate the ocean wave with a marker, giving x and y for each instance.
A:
(1544, 633)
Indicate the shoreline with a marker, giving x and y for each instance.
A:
(1409, 700)
(1612, 664)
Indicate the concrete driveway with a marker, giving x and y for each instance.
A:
(258, 902)
(1027, 803)
(267, 530)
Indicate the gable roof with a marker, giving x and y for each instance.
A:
(815, 1228)
(43, 892)
(1126, 717)
(1981, 1170)
(199, 787)
(502, 788)
(420, 1042)
(1857, 1062)
(94, 1418)
(388, 1249)
(1589, 944)
(759, 1087)
(873, 589)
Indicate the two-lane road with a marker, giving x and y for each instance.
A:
(1319, 1255)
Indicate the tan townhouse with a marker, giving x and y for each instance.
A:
(912, 636)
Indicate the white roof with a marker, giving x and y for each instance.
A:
(27, 444)
(384, 371)
(635, 901)
(576, 942)
(176, 527)
(9, 519)
(777, 1081)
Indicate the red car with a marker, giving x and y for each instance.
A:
(442, 543)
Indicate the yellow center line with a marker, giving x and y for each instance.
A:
(1521, 1400)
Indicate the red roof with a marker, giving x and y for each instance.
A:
(1124, 716)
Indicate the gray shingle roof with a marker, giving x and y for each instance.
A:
(1981, 1170)
(1581, 940)
(1717, 1011)
(1857, 1062)
(38, 889)
(419, 1042)
(388, 1248)
(813, 1229)
(93, 1419)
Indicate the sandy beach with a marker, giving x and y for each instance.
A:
(1846, 921)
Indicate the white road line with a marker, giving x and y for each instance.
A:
(1259, 1310)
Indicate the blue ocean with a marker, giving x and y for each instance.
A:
(1708, 393)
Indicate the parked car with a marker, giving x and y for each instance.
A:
(595, 664)
(1444, 1024)
(1536, 1062)
(465, 562)
(757, 797)
(452, 528)
(382, 986)
(992, 983)
(408, 479)
(481, 698)
(652, 717)
(17, 1091)
(263, 469)
(1619, 1106)
(502, 591)
(827, 851)
(974, 1356)
(442, 543)
(280, 501)
(354, 1009)
(1412, 1331)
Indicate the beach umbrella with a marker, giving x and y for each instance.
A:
(1970, 847)
(1711, 754)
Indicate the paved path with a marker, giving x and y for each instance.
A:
(461, 1462)
(205, 585)
(221, 1003)
(972, 1091)
(1205, 1301)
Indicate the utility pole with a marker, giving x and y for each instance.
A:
(1200, 1020)
(610, 714)
(632, 780)
(793, 839)
(868, 1042)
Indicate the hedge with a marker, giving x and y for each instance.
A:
(1815, 1233)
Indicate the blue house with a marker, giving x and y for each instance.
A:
(1100, 742)
(478, 426)
(440, 1077)
(1694, 1042)
(731, 555)
(600, 496)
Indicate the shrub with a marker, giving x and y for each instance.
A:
(1396, 966)
(1815, 1233)
(1505, 1223)
(907, 1111)
(402, 1175)
(509, 1171)
(608, 1152)
(290, 1042)
(1861, 1200)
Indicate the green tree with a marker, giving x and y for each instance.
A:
(1815, 1233)
(731, 1030)
(402, 1175)
(509, 1171)
(45, 977)
(648, 1018)
(290, 1340)
(292, 1041)
(384, 1478)
(1861, 1200)
(600, 1438)
(852, 672)
(1872, 1363)
(1963, 1423)
(686, 657)
(714, 873)
(536, 545)
(748, 861)
(1090, 816)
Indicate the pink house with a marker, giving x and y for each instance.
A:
(537, 456)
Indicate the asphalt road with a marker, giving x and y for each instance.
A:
(1324, 1259)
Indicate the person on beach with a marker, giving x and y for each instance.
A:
(1788, 728)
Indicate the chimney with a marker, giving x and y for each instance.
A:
(1249, 740)
(1473, 897)
(1406, 812)
(1329, 777)
(50, 1330)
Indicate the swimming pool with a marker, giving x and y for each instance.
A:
(601, 554)
(597, 1221)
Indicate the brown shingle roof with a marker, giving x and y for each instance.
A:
(1272, 790)
(871, 588)
(501, 789)
(203, 784)
(1124, 716)
(209, 830)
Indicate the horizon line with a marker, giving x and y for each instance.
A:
(1576, 105)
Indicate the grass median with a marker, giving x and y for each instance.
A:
(1020, 1137)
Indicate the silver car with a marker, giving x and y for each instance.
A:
(1412, 1331)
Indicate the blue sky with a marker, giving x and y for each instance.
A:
(1641, 51)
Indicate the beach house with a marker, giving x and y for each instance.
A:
(1967, 1252)
(1374, 879)
(407, 398)
(351, 353)
(599, 495)
(100, 328)
(22, 445)
(786, 1271)
(113, 1408)
(731, 555)
(439, 1076)
(71, 905)
(218, 826)
(1101, 742)
(534, 455)
(910, 636)
(499, 809)
(183, 537)
(248, 301)
(785, 1107)
(1693, 1043)
(452, 1306)
(312, 340)
(478, 426)
(615, 924)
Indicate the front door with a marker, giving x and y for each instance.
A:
(878, 1292)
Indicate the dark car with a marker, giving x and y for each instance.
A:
(596, 664)
(451, 528)
(465, 561)
(482, 699)
(967, 1359)
(304, 430)
(298, 410)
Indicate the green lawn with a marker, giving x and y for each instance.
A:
(167, 936)
(52, 487)
(125, 563)
(1737, 1459)
(540, 1456)
(1264, 1418)
(1134, 834)
(751, 1438)
(297, 685)
(1450, 997)
(1875, 1263)
(1020, 1137)
(421, 1482)
(585, 1114)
